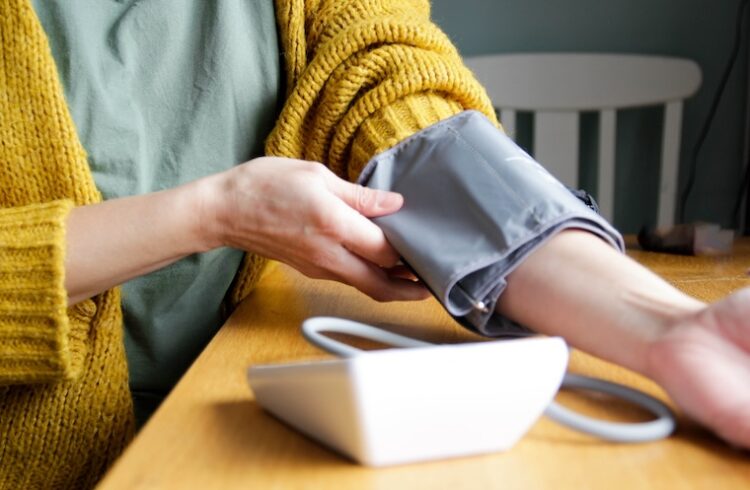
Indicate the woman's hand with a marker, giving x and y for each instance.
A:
(703, 362)
(300, 213)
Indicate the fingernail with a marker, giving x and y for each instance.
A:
(388, 200)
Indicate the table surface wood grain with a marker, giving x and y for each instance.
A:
(210, 433)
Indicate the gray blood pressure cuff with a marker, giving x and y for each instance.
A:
(475, 205)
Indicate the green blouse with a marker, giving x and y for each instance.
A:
(164, 92)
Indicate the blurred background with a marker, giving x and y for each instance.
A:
(701, 30)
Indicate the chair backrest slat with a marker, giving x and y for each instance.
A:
(583, 81)
(670, 159)
(607, 148)
(508, 120)
(556, 144)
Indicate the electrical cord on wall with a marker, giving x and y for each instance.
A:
(693, 165)
(745, 180)
(744, 187)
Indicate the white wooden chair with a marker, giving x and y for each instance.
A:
(557, 86)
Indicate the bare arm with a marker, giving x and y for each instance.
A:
(289, 210)
(600, 300)
(609, 305)
(114, 241)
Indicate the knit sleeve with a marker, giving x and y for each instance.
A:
(362, 76)
(40, 338)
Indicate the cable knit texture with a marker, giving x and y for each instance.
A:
(361, 76)
(65, 409)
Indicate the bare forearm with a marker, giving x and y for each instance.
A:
(578, 287)
(114, 241)
(290, 210)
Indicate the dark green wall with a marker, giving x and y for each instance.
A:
(701, 30)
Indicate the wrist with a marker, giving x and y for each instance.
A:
(202, 201)
(655, 361)
(647, 319)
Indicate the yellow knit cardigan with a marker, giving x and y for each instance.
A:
(361, 75)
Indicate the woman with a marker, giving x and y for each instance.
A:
(188, 230)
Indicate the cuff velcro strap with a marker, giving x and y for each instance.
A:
(475, 205)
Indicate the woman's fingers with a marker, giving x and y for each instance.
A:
(367, 202)
(364, 238)
(360, 235)
(376, 282)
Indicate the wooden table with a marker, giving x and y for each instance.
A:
(210, 433)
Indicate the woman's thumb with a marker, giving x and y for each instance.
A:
(369, 202)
